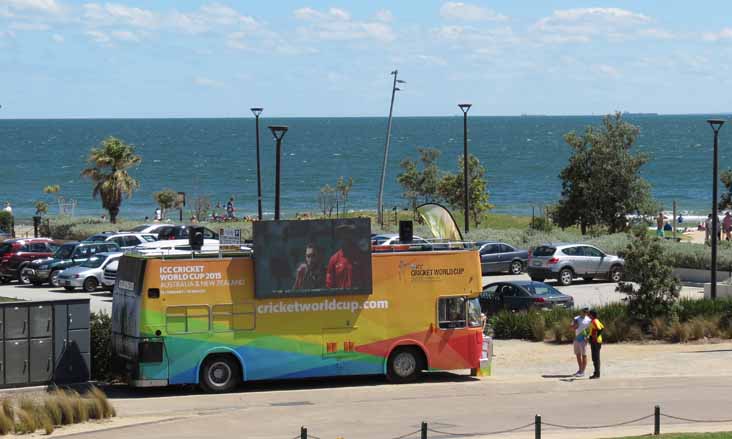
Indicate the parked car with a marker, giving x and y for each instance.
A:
(496, 257)
(181, 232)
(125, 240)
(89, 274)
(522, 295)
(146, 228)
(4, 235)
(166, 246)
(16, 254)
(385, 240)
(110, 274)
(68, 255)
(565, 262)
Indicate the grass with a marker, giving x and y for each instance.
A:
(721, 435)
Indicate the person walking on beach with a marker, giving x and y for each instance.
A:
(158, 214)
(727, 225)
(707, 228)
(659, 225)
(595, 328)
(230, 208)
(580, 324)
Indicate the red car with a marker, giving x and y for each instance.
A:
(15, 254)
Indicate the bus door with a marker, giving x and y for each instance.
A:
(458, 347)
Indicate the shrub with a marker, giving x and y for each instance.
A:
(680, 332)
(538, 328)
(658, 289)
(659, 329)
(542, 224)
(106, 408)
(100, 326)
(635, 333)
(6, 424)
(8, 408)
(67, 407)
(508, 324)
(81, 414)
(53, 408)
(25, 422)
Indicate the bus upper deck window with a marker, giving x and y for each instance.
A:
(452, 312)
(475, 319)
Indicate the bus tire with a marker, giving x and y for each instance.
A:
(220, 374)
(405, 365)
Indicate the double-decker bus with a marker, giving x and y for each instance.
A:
(197, 320)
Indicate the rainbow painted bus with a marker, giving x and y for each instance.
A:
(197, 321)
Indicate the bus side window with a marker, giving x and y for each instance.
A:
(187, 319)
(239, 317)
(451, 312)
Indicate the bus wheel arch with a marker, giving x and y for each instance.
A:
(405, 363)
(220, 371)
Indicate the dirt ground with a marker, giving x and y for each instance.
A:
(525, 361)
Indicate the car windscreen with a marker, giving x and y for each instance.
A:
(138, 228)
(64, 252)
(544, 250)
(149, 238)
(93, 262)
(5, 248)
(96, 238)
(543, 290)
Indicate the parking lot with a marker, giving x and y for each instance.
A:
(590, 294)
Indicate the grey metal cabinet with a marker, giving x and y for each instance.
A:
(41, 317)
(16, 322)
(41, 360)
(43, 342)
(16, 362)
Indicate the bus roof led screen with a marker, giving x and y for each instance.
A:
(312, 258)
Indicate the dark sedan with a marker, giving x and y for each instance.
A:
(497, 257)
(521, 295)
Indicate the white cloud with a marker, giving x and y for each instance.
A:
(724, 34)
(607, 70)
(337, 25)
(385, 16)
(210, 17)
(43, 6)
(57, 38)
(432, 60)
(581, 25)
(113, 14)
(38, 27)
(469, 12)
(98, 37)
(207, 82)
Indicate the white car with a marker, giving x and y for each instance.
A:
(89, 274)
(147, 228)
(125, 240)
(168, 245)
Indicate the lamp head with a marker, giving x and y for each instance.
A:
(715, 123)
(278, 131)
(465, 107)
(256, 111)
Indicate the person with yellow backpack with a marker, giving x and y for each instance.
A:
(596, 328)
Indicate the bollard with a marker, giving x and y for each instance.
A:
(537, 427)
(423, 430)
(303, 433)
(656, 421)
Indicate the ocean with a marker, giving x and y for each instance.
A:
(216, 158)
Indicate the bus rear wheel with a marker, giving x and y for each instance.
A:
(404, 365)
(220, 374)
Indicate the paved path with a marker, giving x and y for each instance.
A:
(100, 301)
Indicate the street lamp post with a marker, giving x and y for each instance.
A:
(380, 207)
(278, 131)
(257, 112)
(466, 188)
(716, 124)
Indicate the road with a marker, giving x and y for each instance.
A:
(368, 408)
(585, 293)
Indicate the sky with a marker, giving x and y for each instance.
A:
(164, 58)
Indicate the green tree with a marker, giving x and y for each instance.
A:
(108, 171)
(343, 188)
(601, 183)
(451, 188)
(41, 207)
(657, 288)
(420, 185)
(726, 201)
(166, 199)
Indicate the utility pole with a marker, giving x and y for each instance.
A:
(380, 206)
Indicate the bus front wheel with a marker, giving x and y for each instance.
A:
(404, 365)
(220, 374)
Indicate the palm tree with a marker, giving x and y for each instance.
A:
(109, 165)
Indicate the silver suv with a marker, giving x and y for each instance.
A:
(565, 262)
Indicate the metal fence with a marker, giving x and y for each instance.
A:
(424, 431)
